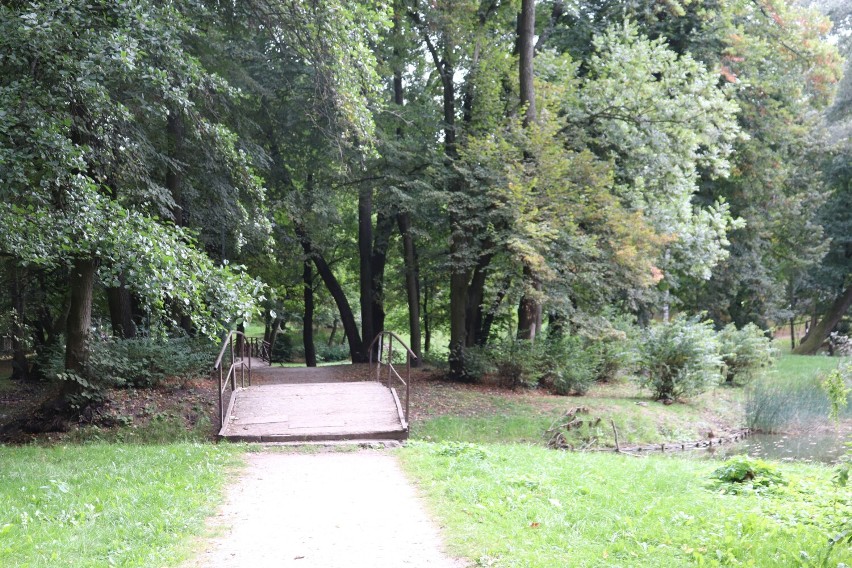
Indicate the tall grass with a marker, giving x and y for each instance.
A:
(790, 396)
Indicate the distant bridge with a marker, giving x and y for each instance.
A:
(262, 403)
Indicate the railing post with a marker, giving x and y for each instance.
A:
(241, 345)
(390, 361)
(407, 382)
(231, 374)
(221, 405)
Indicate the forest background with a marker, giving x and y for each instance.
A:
(481, 170)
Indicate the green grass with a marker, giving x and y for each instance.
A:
(804, 367)
(255, 330)
(524, 506)
(638, 419)
(107, 505)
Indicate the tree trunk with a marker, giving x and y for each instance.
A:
(350, 328)
(365, 254)
(792, 333)
(81, 284)
(308, 318)
(529, 309)
(475, 298)
(409, 253)
(526, 52)
(378, 261)
(412, 284)
(427, 324)
(820, 331)
(333, 332)
(121, 311)
(20, 364)
(458, 323)
(488, 321)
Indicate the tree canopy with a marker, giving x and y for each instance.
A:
(475, 169)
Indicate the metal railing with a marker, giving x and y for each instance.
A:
(240, 350)
(260, 349)
(385, 365)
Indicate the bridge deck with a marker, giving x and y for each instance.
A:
(311, 410)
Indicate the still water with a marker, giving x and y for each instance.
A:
(825, 447)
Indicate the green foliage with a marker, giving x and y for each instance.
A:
(282, 351)
(679, 358)
(516, 363)
(460, 449)
(564, 364)
(662, 116)
(748, 474)
(571, 364)
(745, 351)
(144, 363)
(332, 353)
(133, 363)
(836, 388)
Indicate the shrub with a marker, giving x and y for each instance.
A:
(744, 351)
(332, 353)
(478, 362)
(570, 364)
(516, 363)
(836, 390)
(282, 351)
(679, 358)
(146, 362)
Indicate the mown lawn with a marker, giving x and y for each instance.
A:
(525, 506)
(107, 504)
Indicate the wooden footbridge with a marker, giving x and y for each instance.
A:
(262, 403)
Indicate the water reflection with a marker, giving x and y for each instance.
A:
(825, 447)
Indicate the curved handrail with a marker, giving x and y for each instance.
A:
(239, 345)
(392, 372)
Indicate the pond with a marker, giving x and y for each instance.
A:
(815, 446)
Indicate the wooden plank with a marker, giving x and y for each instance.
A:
(315, 412)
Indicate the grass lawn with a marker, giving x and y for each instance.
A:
(803, 367)
(523, 506)
(496, 416)
(107, 504)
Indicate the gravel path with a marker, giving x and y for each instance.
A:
(327, 510)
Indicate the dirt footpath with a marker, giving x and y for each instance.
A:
(327, 510)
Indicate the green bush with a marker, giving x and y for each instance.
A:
(679, 358)
(332, 353)
(516, 362)
(146, 362)
(282, 351)
(570, 364)
(744, 351)
(479, 361)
